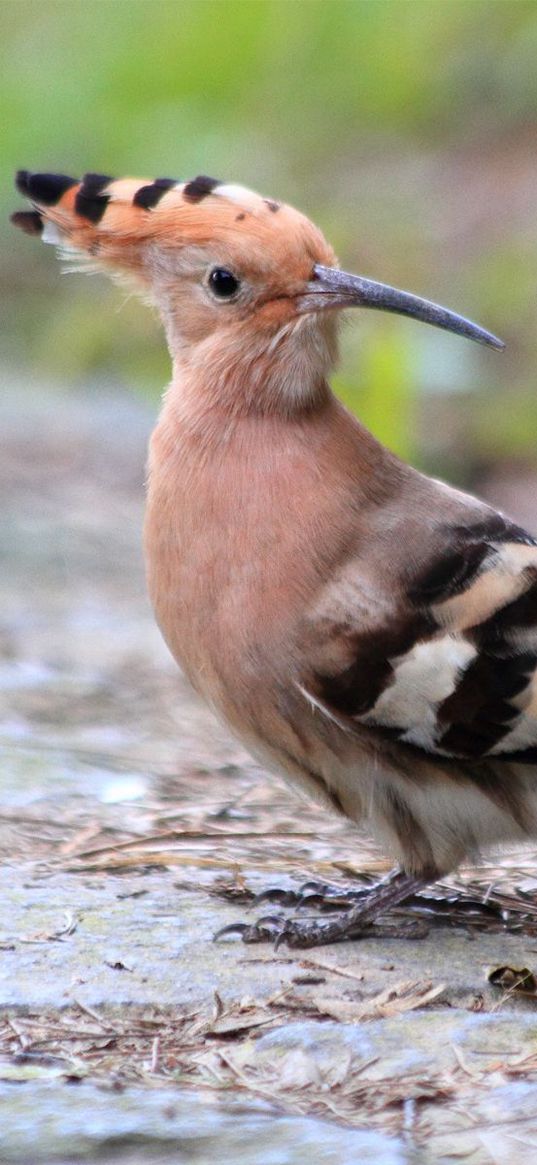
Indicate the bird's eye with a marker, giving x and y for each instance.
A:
(222, 283)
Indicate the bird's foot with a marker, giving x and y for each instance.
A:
(358, 920)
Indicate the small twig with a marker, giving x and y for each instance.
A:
(192, 835)
(155, 1054)
(247, 1081)
(319, 965)
(25, 1041)
(105, 1023)
(68, 928)
(462, 1063)
(219, 1006)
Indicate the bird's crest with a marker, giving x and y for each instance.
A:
(97, 198)
(111, 222)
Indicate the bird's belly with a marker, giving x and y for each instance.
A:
(426, 818)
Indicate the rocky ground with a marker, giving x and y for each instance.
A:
(132, 827)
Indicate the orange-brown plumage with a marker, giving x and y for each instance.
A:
(366, 630)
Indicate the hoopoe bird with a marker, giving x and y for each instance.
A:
(367, 631)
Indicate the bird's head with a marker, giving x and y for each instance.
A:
(248, 288)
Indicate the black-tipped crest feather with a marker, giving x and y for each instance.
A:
(44, 188)
(90, 201)
(147, 197)
(29, 221)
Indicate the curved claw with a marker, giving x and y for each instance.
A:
(277, 894)
(314, 887)
(264, 930)
(317, 900)
(312, 893)
(232, 928)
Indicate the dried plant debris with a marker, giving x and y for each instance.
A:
(512, 979)
(360, 1008)
(221, 1047)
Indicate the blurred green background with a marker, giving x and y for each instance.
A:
(406, 128)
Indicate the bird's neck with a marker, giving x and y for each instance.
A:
(210, 424)
(243, 374)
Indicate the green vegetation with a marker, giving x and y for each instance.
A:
(405, 128)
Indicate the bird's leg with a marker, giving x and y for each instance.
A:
(315, 932)
(395, 888)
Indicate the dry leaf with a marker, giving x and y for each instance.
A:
(521, 980)
(298, 1070)
(238, 1020)
(404, 996)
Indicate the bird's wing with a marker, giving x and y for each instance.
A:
(447, 661)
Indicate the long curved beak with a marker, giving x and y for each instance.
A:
(332, 288)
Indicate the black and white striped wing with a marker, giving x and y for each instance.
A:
(450, 664)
